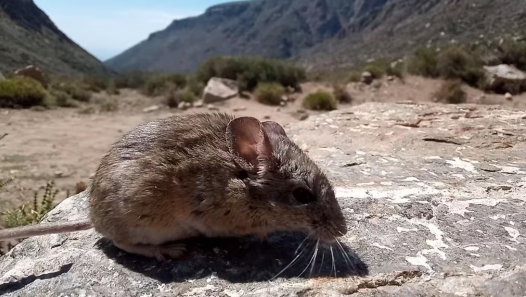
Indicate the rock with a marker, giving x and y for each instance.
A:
(151, 108)
(32, 72)
(182, 105)
(188, 105)
(220, 89)
(416, 228)
(303, 116)
(2, 77)
(376, 84)
(505, 77)
(367, 77)
(237, 109)
(508, 96)
(266, 117)
(199, 104)
(390, 78)
(282, 104)
(284, 99)
(212, 107)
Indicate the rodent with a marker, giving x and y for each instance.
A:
(203, 174)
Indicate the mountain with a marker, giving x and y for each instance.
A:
(319, 33)
(28, 36)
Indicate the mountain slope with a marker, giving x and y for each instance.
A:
(28, 36)
(320, 33)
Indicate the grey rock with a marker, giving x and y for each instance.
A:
(212, 107)
(220, 89)
(151, 108)
(504, 76)
(367, 77)
(182, 105)
(199, 104)
(422, 222)
(508, 96)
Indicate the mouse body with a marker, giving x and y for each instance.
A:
(209, 175)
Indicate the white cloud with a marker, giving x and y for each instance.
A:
(108, 34)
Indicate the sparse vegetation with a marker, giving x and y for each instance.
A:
(458, 63)
(28, 214)
(157, 84)
(322, 101)
(424, 63)
(22, 92)
(355, 76)
(249, 72)
(341, 94)
(451, 92)
(269, 93)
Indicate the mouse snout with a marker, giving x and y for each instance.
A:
(331, 230)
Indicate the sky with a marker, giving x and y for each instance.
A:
(106, 28)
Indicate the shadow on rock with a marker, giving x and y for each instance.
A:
(242, 260)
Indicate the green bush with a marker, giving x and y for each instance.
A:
(157, 84)
(131, 80)
(320, 101)
(96, 83)
(355, 76)
(513, 53)
(451, 92)
(31, 214)
(62, 99)
(424, 63)
(457, 63)
(195, 86)
(249, 72)
(22, 92)
(341, 94)
(269, 93)
(375, 71)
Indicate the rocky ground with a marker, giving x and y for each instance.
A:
(434, 196)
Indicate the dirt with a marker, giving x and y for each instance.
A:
(65, 145)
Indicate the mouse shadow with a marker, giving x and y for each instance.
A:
(246, 259)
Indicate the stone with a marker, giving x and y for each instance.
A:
(416, 228)
(390, 78)
(182, 105)
(151, 108)
(508, 96)
(367, 77)
(199, 104)
(220, 89)
(212, 107)
(237, 109)
(33, 72)
(504, 77)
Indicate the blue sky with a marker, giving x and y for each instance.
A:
(107, 27)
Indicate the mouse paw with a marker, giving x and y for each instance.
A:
(172, 250)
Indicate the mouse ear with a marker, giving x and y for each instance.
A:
(248, 140)
(273, 128)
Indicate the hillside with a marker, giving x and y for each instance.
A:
(320, 33)
(28, 36)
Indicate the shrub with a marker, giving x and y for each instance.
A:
(395, 69)
(269, 93)
(131, 80)
(514, 53)
(187, 96)
(457, 63)
(424, 63)
(96, 83)
(341, 94)
(375, 71)
(62, 99)
(112, 89)
(451, 92)
(355, 76)
(31, 214)
(22, 92)
(75, 89)
(320, 101)
(249, 72)
(195, 86)
(158, 84)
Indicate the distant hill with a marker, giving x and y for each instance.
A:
(28, 36)
(320, 33)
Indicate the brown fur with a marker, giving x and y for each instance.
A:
(207, 175)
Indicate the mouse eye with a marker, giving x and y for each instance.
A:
(303, 195)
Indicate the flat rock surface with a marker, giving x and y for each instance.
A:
(434, 196)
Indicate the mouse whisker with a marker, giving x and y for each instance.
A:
(290, 264)
(333, 268)
(315, 255)
(322, 259)
(346, 257)
(308, 264)
(299, 246)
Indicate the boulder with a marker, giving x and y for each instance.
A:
(424, 220)
(220, 89)
(367, 77)
(505, 78)
(33, 72)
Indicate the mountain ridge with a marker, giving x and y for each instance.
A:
(318, 33)
(29, 36)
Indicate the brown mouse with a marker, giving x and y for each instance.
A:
(209, 175)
